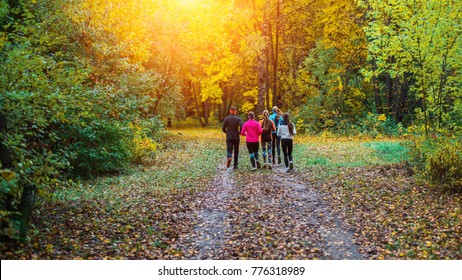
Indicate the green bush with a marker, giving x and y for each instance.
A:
(143, 144)
(58, 118)
(9, 189)
(153, 127)
(101, 146)
(444, 165)
(187, 123)
(374, 125)
(438, 160)
(378, 124)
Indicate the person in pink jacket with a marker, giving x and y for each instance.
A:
(252, 131)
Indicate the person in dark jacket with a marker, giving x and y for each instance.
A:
(232, 126)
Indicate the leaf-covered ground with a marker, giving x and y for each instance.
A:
(371, 188)
(393, 216)
(266, 215)
(347, 199)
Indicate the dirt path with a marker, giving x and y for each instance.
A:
(338, 242)
(210, 231)
(266, 215)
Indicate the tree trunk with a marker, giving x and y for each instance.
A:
(5, 155)
(6, 161)
(267, 53)
(424, 99)
(276, 100)
(397, 85)
(440, 94)
(389, 84)
(198, 111)
(377, 97)
(262, 82)
(206, 108)
(403, 107)
(262, 57)
(262, 68)
(219, 113)
(29, 192)
(376, 89)
(26, 207)
(231, 100)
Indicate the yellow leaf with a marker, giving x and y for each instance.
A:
(49, 248)
(382, 117)
(128, 227)
(7, 174)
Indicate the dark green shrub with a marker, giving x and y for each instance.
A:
(101, 146)
(378, 124)
(154, 127)
(9, 190)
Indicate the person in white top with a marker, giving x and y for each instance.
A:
(286, 131)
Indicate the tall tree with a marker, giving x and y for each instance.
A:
(419, 41)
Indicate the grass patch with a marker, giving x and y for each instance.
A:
(185, 159)
(318, 161)
(389, 152)
(329, 155)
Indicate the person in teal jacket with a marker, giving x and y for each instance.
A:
(276, 143)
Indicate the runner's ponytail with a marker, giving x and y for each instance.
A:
(289, 124)
(266, 124)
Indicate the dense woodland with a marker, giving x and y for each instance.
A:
(87, 85)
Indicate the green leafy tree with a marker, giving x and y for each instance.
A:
(73, 94)
(40, 83)
(422, 41)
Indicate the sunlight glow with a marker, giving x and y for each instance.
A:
(187, 2)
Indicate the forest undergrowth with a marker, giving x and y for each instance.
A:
(153, 211)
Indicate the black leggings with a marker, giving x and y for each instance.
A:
(276, 145)
(231, 145)
(287, 146)
(253, 151)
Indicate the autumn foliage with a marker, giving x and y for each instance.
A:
(86, 87)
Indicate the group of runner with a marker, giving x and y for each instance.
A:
(273, 131)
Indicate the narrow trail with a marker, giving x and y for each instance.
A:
(338, 243)
(266, 215)
(210, 230)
